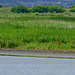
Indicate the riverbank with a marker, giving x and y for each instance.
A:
(36, 54)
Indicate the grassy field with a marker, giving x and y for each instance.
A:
(37, 31)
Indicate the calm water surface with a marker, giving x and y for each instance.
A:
(36, 66)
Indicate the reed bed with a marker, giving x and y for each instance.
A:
(37, 32)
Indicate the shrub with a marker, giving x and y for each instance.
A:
(73, 6)
(40, 9)
(12, 44)
(0, 6)
(72, 10)
(5, 5)
(2, 44)
(19, 9)
(56, 8)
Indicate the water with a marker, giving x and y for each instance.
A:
(36, 66)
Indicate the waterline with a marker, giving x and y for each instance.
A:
(37, 56)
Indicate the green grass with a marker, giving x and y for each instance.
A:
(29, 31)
(5, 10)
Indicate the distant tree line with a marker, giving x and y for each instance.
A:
(72, 8)
(40, 9)
(3, 6)
(50, 8)
(19, 9)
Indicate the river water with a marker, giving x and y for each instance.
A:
(10, 65)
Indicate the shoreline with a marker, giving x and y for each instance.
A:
(36, 54)
(35, 50)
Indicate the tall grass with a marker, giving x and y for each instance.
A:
(37, 32)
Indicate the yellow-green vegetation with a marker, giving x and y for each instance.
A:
(5, 10)
(39, 31)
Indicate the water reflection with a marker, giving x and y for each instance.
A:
(36, 66)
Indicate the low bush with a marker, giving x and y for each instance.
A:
(73, 6)
(0, 6)
(40, 9)
(56, 8)
(12, 44)
(2, 44)
(72, 10)
(19, 9)
(5, 5)
(8, 44)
